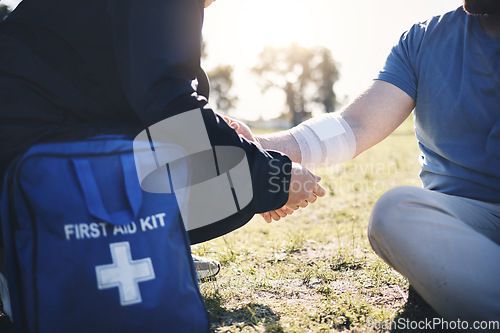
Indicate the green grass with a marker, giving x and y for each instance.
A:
(315, 270)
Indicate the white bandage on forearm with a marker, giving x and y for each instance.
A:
(324, 140)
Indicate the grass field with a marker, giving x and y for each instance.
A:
(315, 271)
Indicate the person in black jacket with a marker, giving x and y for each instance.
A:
(75, 69)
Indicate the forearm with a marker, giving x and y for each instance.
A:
(283, 142)
(336, 138)
(376, 113)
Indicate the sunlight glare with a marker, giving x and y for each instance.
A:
(275, 22)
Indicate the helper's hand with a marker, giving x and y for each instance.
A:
(304, 189)
(277, 214)
(242, 129)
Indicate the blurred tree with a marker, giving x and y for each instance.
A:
(328, 74)
(221, 81)
(4, 12)
(306, 75)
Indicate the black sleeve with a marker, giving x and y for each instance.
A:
(157, 49)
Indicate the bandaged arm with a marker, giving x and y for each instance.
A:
(368, 120)
(324, 140)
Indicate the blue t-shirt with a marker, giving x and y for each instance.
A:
(451, 69)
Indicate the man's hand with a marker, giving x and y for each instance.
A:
(304, 189)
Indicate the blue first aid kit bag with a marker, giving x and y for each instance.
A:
(88, 250)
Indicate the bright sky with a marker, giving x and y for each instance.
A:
(360, 33)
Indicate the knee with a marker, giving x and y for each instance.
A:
(388, 214)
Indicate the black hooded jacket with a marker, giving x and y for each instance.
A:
(74, 69)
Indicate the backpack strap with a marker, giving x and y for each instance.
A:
(93, 195)
(90, 189)
(132, 186)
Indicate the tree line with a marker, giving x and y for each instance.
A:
(306, 75)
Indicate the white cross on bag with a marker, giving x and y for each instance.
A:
(124, 273)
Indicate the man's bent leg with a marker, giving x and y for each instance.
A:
(448, 247)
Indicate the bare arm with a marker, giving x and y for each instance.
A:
(372, 117)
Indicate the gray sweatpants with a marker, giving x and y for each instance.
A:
(447, 246)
